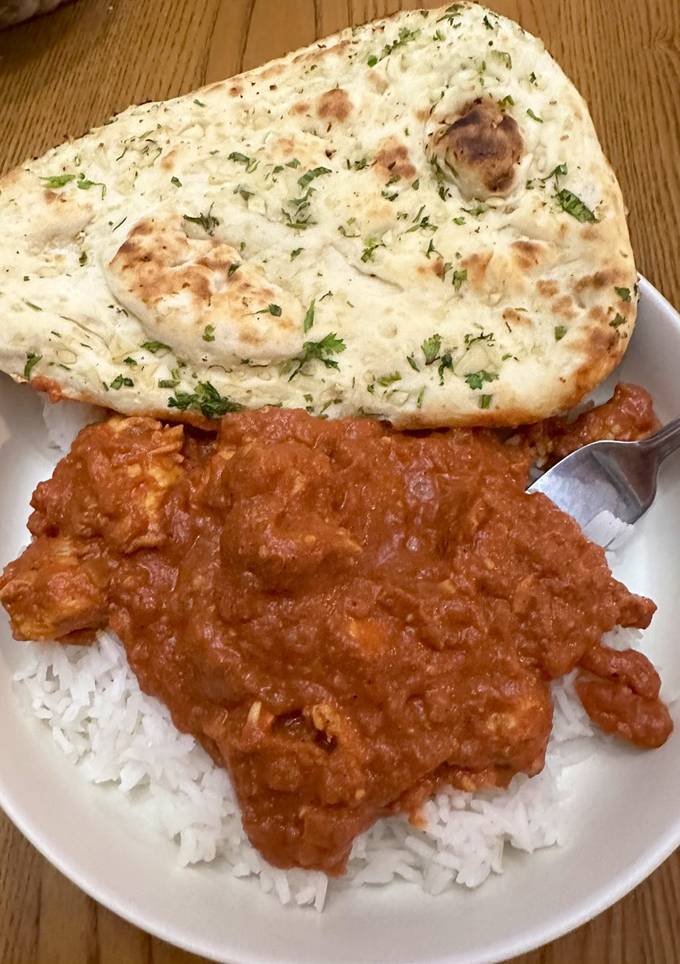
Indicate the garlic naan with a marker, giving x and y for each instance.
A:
(412, 219)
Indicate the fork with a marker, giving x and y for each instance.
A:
(607, 482)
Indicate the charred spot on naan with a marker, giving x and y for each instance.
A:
(436, 267)
(605, 278)
(231, 86)
(480, 150)
(547, 287)
(59, 216)
(320, 51)
(334, 105)
(393, 160)
(201, 297)
(528, 254)
(476, 265)
(601, 349)
(588, 294)
(513, 318)
(564, 308)
(169, 160)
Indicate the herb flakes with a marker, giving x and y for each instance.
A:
(309, 318)
(156, 346)
(431, 250)
(504, 57)
(574, 205)
(451, 13)
(476, 380)
(204, 399)
(310, 176)
(560, 171)
(471, 339)
(390, 379)
(207, 220)
(84, 184)
(370, 247)
(421, 222)
(445, 362)
(32, 360)
(170, 382)
(458, 278)
(57, 180)
(250, 163)
(476, 212)
(316, 350)
(121, 381)
(300, 216)
(405, 36)
(431, 348)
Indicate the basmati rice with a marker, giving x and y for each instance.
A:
(100, 719)
(114, 733)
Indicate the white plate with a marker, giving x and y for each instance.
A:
(624, 817)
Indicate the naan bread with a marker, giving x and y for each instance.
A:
(412, 220)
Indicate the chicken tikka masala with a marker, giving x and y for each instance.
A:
(345, 616)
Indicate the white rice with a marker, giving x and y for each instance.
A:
(609, 531)
(99, 718)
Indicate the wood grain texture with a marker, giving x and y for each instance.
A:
(63, 73)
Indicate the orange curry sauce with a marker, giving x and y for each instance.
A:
(345, 616)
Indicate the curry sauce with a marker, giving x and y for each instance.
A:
(345, 616)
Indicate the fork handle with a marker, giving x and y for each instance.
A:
(664, 442)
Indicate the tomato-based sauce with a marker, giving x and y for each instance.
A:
(345, 616)
(627, 416)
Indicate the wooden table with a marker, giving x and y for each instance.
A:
(66, 72)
